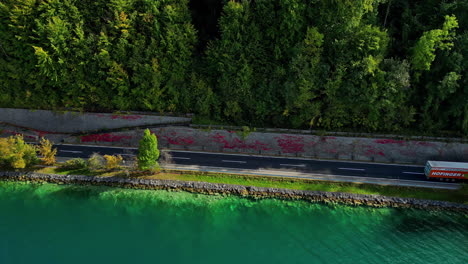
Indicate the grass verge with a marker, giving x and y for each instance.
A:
(457, 196)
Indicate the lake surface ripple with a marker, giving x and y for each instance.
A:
(47, 223)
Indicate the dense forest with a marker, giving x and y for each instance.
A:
(367, 65)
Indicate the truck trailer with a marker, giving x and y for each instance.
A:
(444, 170)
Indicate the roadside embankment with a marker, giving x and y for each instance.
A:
(228, 189)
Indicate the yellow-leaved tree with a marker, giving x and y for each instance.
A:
(47, 152)
(16, 153)
(6, 151)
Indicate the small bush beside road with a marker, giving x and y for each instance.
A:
(113, 162)
(96, 162)
(74, 164)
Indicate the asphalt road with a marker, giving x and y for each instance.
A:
(235, 161)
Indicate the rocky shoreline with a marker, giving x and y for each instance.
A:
(228, 189)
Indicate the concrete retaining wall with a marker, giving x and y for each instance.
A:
(228, 189)
(289, 145)
(75, 122)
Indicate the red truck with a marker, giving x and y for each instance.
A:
(444, 170)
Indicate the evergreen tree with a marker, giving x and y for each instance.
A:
(148, 152)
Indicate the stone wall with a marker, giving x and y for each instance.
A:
(76, 122)
(228, 189)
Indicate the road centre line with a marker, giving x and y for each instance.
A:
(234, 161)
(297, 158)
(180, 158)
(293, 165)
(71, 151)
(355, 169)
(410, 172)
(92, 146)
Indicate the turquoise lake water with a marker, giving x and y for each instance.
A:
(82, 224)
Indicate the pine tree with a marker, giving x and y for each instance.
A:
(148, 152)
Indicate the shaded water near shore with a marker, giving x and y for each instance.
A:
(47, 223)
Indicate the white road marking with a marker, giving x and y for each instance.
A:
(234, 161)
(319, 176)
(355, 169)
(122, 154)
(71, 151)
(295, 158)
(293, 165)
(180, 158)
(410, 172)
(93, 146)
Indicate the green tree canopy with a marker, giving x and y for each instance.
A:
(366, 65)
(148, 152)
